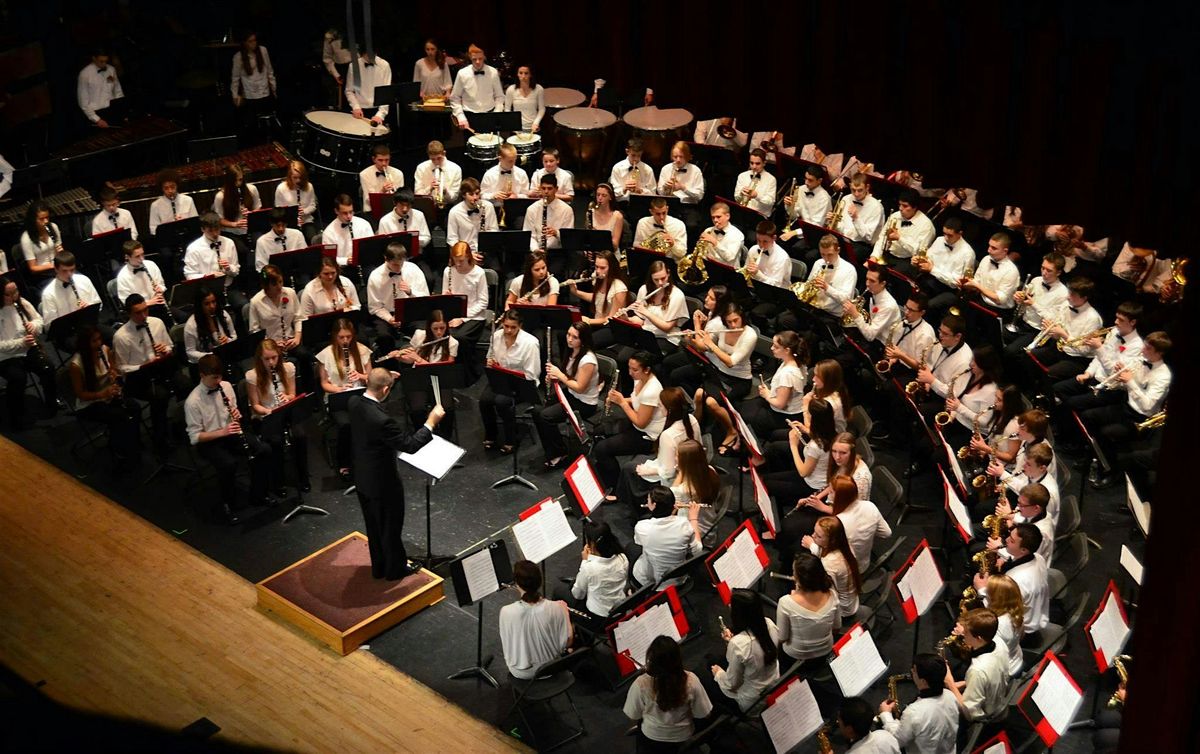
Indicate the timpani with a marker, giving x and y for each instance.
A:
(658, 130)
(585, 143)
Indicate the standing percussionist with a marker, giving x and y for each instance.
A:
(371, 71)
(477, 89)
(98, 87)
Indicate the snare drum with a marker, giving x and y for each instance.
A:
(658, 130)
(584, 140)
(483, 147)
(528, 146)
(339, 142)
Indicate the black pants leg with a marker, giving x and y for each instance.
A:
(630, 441)
(502, 407)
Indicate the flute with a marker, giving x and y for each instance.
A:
(549, 358)
(678, 506)
(640, 299)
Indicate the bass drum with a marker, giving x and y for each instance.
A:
(528, 147)
(483, 147)
(585, 143)
(658, 130)
(339, 142)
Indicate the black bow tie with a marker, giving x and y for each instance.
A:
(908, 326)
(403, 219)
(1045, 286)
(755, 176)
(369, 65)
(994, 262)
(280, 239)
(138, 269)
(143, 326)
(346, 225)
(380, 174)
(102, 70)
(660, 226)
(473, 211)
(112, 219)
(505, 172)
(1121, 338)
(212, 390)
(858, 202)
(66, 284)
(718, 232)
(1146, 363)
(394, 274)
(1074, 309)
(214, 245)
(478, 73)
(680, 170)
(809, 194)
(906, 223)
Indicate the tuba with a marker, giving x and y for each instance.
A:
(691, 267)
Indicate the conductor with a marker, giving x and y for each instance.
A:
(376, 438)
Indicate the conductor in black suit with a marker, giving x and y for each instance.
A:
(376, 438)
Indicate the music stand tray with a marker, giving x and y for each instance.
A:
(510, 245)
(68, 324)
(367, 253)
(495, 123)
(305, 261)
(626, 333)
(178, 233)
(418, 308)
(93, 251)
(535, 318)
(814, 233)
(259, 220)
(638, 261)
(318, 328)
(576, 239)
(514, 211)
(183, 293)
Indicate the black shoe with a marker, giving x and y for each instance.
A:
(916, 468)
(305, 485)
(1106, 481)
(231, 518)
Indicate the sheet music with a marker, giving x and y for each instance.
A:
(1141, 510)
(922, 581)
(739, 566)
(1056, 697)
(858, 665)
(744, 429)
(957, 508)
(590, 494)
(544, 533)
(481, 574)
(436, 384)
(566, 404)
(997, 748)
(636, 633)
(763, 499)
(952, 454)
(435, 458)
(1109, 631)
(1131, 565)
(793, 717)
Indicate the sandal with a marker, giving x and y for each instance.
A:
(507, 449)
(554, 464)
(728, 447)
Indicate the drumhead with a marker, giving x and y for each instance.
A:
(523, 139)
(585, 118)
(344, 123)
(653, 119)
(484, 140)
(560, 97)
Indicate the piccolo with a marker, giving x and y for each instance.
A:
(684, 505)
(688, 333)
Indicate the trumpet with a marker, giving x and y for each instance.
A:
(1019, 309)
(1111, 381)
(892, 223)
(943, 418)
(1078, 342)
(1154, 422)
(439, 196)
(835, 217)
(915, 388)
(794, 212)
(1043, 335)
(884, 365)
(743, 197)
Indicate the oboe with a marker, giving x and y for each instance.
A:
(78, 301)
(240, 432)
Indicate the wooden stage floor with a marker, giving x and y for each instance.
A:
(117, 617)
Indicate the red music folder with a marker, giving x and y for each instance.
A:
(915, 603)
(669, 597)
(746, 548)
(1050, 709)
(1112, 622)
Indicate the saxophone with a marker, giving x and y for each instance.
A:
(859, 302)
(691, 267)
(893, 695)
(884, 365)
(823, 745)
(1119, 662)
(942, 418)
(914, 388)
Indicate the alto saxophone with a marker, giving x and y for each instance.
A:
(884, 365)
(858, 302)
(893, 682)
(943, 418)
(1119, 662)
(915, 388)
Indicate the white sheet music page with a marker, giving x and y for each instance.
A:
(1110, 632)
(436, 385)
(1141, 510)
(544, 533)
(584, 481)
(858, 665)
(924, 581)
(952, 454)
(481, 574)
(997, 748)
(435, 457)
(793, 717)
(1131, 565)
(636, 633)
(1057, 698)
(739, 566)
(957, 508)
(763, 500)
(745, 431)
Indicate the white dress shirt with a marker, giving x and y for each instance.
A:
(950, 263)
(739, 352)
(1085, 319)
(162, 211)
(673, 226)
(730, 244)
(620, 174)
(315, 300)
(39, 251)
(975, 406)
(270, 243)
(689, 176)
(205, 411)
(104, 222)
(259, 83)
(813, 206)
(1006, 635)
(566, 181)
(371, 182)
(516, 180)
(875, 742)
(343, 235)
(202, 260)
(987, 681)
(885, 315)
(482, 93)
(602, 582)
(191, 336)
(948, 364)
(434, 82)
(674, 310)
(912, 340)
(473, 285)
(1116, 349)
(1148, 388)
(929, 725)
(360, 91)
(58, 298)
(863, 523)
(134, 345)
(449, 174)
(532, 635)
(764, 203)
(96, 89)
(1003, 277)
(793, 376)
(532, 107)
(675, 724)
(661, 468)
(382, 288)
(1047, 301)
(305, 199)
(807, 634)
(748, 673)
(916, 233)
(524, 355)
(1031, 576)
(334, 53)
(867, 226)
(666, 542)
(131, 281)
(558, 215)
(280, 321)
(6, 178)
(774, 265)
(12, 330)
(840, 288)
(462, 225)
(413, 222)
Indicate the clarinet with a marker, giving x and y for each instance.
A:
(241, 432)
(117, 379)
(25, 322)
(549, 355)
(78, 301)
(545, 219)
(346, 360)
(174, 212)
(275, 387)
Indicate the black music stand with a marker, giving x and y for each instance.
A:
(638, 261)
(367, 253)
(418, 308)
(319, 327)
(510, 245)
(495, 123)
(183, 293)
(639, 207)
(577, 239)
(508, 382)
(788, 167)
(161, 370)
(287, 416)
(301, 263)
(723, 274)
(92, 252)
(178, 233)
(416, 377)
(514, 211)
(237, 350)
(626, 333)
(259, 221)
(814, 233)
(211, 149)
(781, 298)
(379, 204)
(498, 552)
(68, 324)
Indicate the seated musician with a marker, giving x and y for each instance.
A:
(996, 278)
(717, 300)
(20, 353)
(599, 584)
(1004, 599)
(947, 364)
(329, 291)
(972, 400)
(505, 179)
(907, 231)
(728, 240)
(768, 412)
(1122, 345)
(566, 181)
(370, 72)
(862, 214)
(431, 345)
(297, 190)
(579, 377)
(631, 175)
(808, 615)
(695, 486)
(672, 232)
(345, 228)
(380, 177)
(533, 630)
(646, 420)
(97, 88)
(948, 261)
(913, 338)
(658, 309)
(755, 188)
(729, 351)
(813, 207)
(395, 278)
(514, 349)
(141, 276)
(470, 217)
(98, 396)
(545, 219)
(276, 310)
(1142, 268)
(477, 89)
(797, 468)
(855, 721)
(213, 254)
(40, 241)
(1040, 299)
(768, 262)
(609, 294)
(463, 277)
(233, 202)
(751, 655)
(1030, 508)
(834, 280)
(680, 178)
(666, 539)
(207, 327)
(280, 238)
(982, 694)
(270, 383)
(930, 723)
(1000, 435)
(214, 427)
(535, 285)
(860, 518)
(437, 177)
(111, 215)
(342, 369)
(640, 475)
(66, 293)
(879, 319)
(1032, 466)
(1024, 565)
(720, 132)
(140, 341)
(1060, 355)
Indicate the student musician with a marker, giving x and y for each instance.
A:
(141, 341)
(432, 72)
(545, 219)
(208, 327)
(1061, 357)
(276, 310)
(252, 84)
(1028, 569)
(862, 215)
(404, 218)
(432, 344)
(98, 396)
(755, 188)
(670, 230)
(667, 701)
(505, 180)
(769, 411)
(516, 350)
(380, 177)
(21, 353)
(40, 241)
(395, 278)
(695, 486)
(834, 280)
(631, 175)
(981, 695)
(603, 212)
(580, 379)
(477, 89)
(603, 572)
(974, 396)
(566, 182)
(535, 285)
(66, 293)
(111, 215)
(683, 180)
(142, 276)
(296, 190)
(463, 277)
(1122, 345)
(659, 307)
(996, 278)
(646, 416)
(362, 79)
(346, 227)
(729, 351)
(609, 294)
(528, 98)
(946, 264)
(271, 383)
(809, 614)
(214, 427)
(437, 177)
(280, 238)
(751, 654)
(233, 203)
(798, 467)
(342, 369)
(908, 230)
(470, 217)
(879, 319)
(667, 540)
(172, 205)
(724, 236)
(329, 291)
(214, 255)
(829, 543)
(929, 724)
(97, 88)
(1042, 298)
(640, 475)
(534, 630)
(813, 206)
(861, 519)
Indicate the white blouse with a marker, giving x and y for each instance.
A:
(541, 298)
(649, 395)
(674, 310)
(271, 400)
(739, 351)
(603, 304)
(748, 674)
(532, 107)
(807, 634)
(793, 376)
(591, 391)
(602, 582)
(332, 364)
(418, 340)
(434, 81)
(314, 299)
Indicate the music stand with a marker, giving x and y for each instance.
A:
(781, 298)
(211, 149)
(626, 333)
(638, 261)
(94, 250)
(639, 207)
(259, 221)
(723, 274)
(512, 383)
(159, 370)
(319, 327)
(68, 324)
(788, 167)
(490, 568)
(300, 262)
(367, 253)
(435, 459)
(288, 415)
(514, 211)
(576, 239)
(418, 308)
(379, 204)
(510, 245)
(495, 123)
(742, 218)
(814, 233)
(535, 318)
(178, 233)
(183, 293)
(236, 350)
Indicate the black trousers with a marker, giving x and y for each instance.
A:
(158, 395)
(629, 441)
(384, 519)
(16, 371)
(121, 417)
(493, 406)
(551, 417)
(227, 454)
(766, 422)
(468, 335)
(1112, 426)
